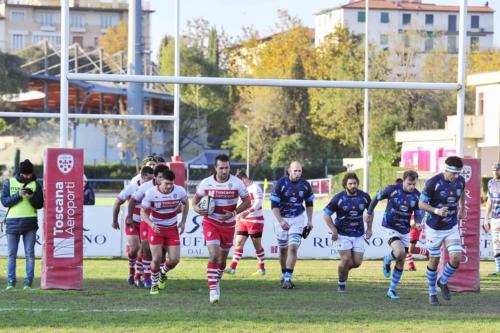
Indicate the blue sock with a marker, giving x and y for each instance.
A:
(396, 276)
(497, 260)
(448, 271)
(431, 278)
(288, 276)
(342, 283)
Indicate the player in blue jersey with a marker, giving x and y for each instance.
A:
(492, 217)
(348, 228)
(287, 202)
(402, 201)
(443, 199)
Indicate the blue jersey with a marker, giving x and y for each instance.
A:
(349, 212)
(289, 196)
(494, 196)
(439, 193)
(400, 206)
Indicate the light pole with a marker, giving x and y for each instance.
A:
(248, 149)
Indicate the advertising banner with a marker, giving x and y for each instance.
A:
(62, 265)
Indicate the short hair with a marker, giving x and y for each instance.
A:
(347, 176)
(222, 158)
(159, 159)
(149, 158)
(160, 168)
(240, 173)
(410, 175)
(454, 161)
(147, 170)
(398, 181)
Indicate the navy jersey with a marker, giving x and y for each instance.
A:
(494, 196)
(289, 196)
(349, 212)
(400, 206)
(439, 193)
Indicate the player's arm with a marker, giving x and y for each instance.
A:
(116, 212)
(328, 212)
(309, 201)
(196, 200)
(275, 198)
(373, 204)
(369, 221)
(130, 211)
(461, 206)
(425, 199)
(257, 204)
(185, 211)
(489, 208)
(147, 220)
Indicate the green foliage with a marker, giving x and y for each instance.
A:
(12, 79)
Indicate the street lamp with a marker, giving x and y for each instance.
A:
(248, 149)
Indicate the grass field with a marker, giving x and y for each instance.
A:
(248, 303)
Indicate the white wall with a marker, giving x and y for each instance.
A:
(491, 109)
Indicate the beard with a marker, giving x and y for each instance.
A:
(352, 191)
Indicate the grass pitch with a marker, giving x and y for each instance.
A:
(248, 303)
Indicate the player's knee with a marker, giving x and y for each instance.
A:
(355, 264)
(282, 244)
(434, 254)
(294, 241)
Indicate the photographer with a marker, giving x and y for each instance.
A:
(22, 195)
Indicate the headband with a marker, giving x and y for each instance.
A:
(452, 169)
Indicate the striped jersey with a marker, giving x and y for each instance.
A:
(141, 192)
(290, 196)
(225, 196)
(163, 206)
(494, 196)
(438, 192)
(257, 197)
(349, 212)
(127, 193)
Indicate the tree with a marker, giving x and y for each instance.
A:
(115, 39)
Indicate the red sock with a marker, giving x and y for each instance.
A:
(260, 257)
(146, 264)
(140, 269)
(237, 253)
(212, 275)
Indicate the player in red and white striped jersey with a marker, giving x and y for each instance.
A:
(218, 227)
(159, 212)
(249, 223)
(132, 225)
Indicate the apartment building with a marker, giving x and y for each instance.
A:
(391, 22)
(27, 22)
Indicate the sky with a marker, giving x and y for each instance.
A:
(262, 14)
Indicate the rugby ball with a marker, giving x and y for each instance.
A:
(207, 203)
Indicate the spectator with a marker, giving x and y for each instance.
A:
(22, 195)
(88, 193)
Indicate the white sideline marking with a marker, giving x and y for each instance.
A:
(69, 310)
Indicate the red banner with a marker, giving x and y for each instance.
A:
(62, 249)
(466, 278)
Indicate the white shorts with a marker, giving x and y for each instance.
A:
(434, 238)
(495, 224)
(405, 238)
(296, 226)
(345, 243)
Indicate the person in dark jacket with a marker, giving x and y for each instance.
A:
(22, 195)
(88, 193)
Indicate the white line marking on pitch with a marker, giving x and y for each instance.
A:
(69, 310)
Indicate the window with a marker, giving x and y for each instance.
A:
(17, 17)
(452, 23)
(474, 42)
(474, 22)
(53, 39)
(107, 21)
(361, 16)
(429, 19)
(78, 40)
(17, 41)
(384, 17)
(45, 19)
(452, 44)
(406, 41)
(384, 40)
(481, 104)
(429, 41)
(77, 21)
(406, 19)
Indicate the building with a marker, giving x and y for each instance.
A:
(27, 22)
(424, 149)
(392, 21)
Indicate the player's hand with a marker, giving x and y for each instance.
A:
(179, 208)
(335, 235)
(129, 221)
(227, 215)
(181, 227)
(200, 211)
(310, 224)
(156, 228)
(368, 218)
(486, 225)
(115, 225)
(443, 211)
(368, 233)
(284, 225)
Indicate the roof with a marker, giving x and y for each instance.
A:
(482, 79)
(207, 158)
(408, 6)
